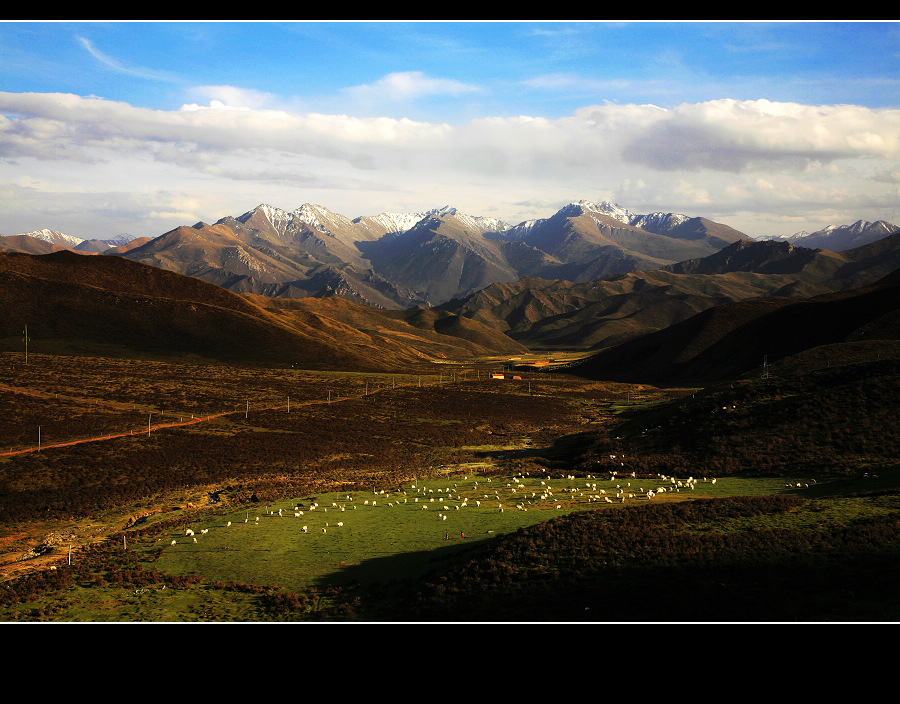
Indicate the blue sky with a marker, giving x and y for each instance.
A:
(109, 127)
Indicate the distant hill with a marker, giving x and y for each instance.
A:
(837, 238)
(57, 241)
(412, 333)
(560, 314)
(28, 245)
(83, 304)
(736, 338)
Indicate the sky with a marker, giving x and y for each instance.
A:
(140, 127)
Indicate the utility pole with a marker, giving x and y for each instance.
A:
(25, 340)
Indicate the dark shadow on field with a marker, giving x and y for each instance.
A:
(562, 449)
(402, 567)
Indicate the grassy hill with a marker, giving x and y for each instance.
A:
(736, 338)
(73, 303)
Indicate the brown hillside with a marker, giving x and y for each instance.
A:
(408, 334)
(27, 244)
(735, 338)
(85, 304)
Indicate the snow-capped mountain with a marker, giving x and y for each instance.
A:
(397, 260)
(54, 237)
(838, 238)
(390, 223)
(652, 222)
(475, 222)
(61, 239)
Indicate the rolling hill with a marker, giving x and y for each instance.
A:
(550, 314)
(82, 304)
(734, 339)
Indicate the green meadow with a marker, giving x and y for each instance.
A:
(366, 537)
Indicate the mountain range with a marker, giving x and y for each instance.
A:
(375, 292)
(402, 260)
(560, 314)
(840, 237)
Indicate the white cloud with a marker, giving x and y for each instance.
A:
(731, 136)
(230, 97)
(408, 85)
(718, 155)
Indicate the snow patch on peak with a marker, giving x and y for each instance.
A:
(54, 237)
(613, 210)
(395, 223)
(659, 221)
(616, 211)
(654, 222)
(279, 218)
(474, 222)
(322, 219)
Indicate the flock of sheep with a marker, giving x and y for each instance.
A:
(520, 492)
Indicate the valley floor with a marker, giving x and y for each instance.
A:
(145, 470)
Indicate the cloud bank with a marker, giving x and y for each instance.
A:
(757, 165)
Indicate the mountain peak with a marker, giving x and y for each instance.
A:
(54, 237)
(477, 223)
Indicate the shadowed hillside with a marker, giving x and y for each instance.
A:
(416, 331)
(736, 338)
(73, 303)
